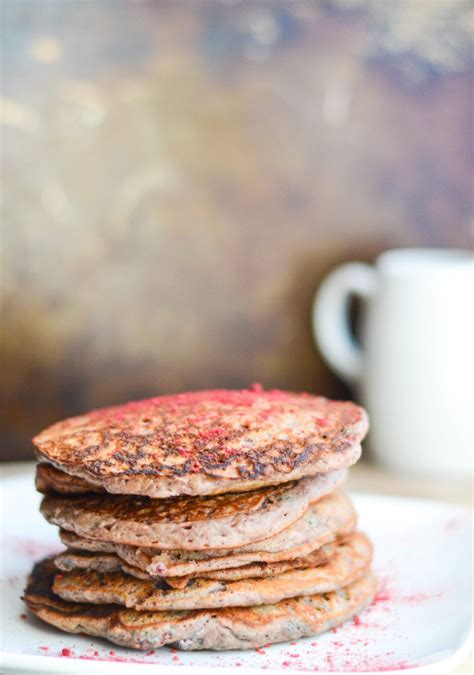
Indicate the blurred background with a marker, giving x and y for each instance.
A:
(179, 177)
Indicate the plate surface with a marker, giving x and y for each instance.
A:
(421, 617)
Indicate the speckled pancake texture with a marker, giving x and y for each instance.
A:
(206, 442)
(191, 523)
(331, 516)
(72, 560)
(205, 520)
(217, 629)
(350, 560)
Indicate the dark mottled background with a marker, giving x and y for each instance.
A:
(178, 177)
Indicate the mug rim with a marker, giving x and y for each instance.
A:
(416, 260)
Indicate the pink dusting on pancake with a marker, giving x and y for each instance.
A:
(241, 398)
(244, 399)
(202, 442)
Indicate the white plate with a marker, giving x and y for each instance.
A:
(421, 618)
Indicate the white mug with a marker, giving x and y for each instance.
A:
(413, 368)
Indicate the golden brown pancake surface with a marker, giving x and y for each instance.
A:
(50, 479)
(206, 442)
(324, 521)
(192, 523)
(218, 629)
(350, 560)
(71, 560)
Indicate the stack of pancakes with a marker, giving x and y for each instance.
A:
(210, 520)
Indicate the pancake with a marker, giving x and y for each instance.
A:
(50, 479)
(189, 523)
(351, 559)
(331, 516)
(207, 442)
(110, 562)
(219, 629)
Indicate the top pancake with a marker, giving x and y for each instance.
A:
(206, 442)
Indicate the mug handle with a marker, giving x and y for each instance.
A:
(330, 317)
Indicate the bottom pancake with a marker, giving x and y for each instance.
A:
(218, 629)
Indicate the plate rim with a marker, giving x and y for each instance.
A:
(26, 662)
